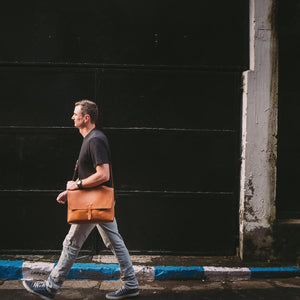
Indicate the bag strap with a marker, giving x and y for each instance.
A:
(75, 170)
(111, 175)
(110, 172)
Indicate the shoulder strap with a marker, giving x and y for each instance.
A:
(111, 175)
(75, 171)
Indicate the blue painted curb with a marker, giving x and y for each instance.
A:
(11, 269)
(178, 273)
(280, 272)
(15, 270)
(93, 271)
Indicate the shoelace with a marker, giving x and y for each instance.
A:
(38, 284)
(121, 290)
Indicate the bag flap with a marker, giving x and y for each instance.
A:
(101, 197)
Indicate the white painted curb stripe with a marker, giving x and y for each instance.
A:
(36, 270)
(144, 273)
(231, 274)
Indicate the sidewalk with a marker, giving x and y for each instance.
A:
(275, 289)
(147, 268)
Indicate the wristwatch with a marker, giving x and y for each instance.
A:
(79, 183)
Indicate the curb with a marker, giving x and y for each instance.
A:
(17, 270)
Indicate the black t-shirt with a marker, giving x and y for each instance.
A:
(94, 151)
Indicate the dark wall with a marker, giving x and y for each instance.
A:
(192, 32)
(167, 79)
(288, 204)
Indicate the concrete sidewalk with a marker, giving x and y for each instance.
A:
(275, 289)
(105, 267)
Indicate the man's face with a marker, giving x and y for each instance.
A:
(78, 117)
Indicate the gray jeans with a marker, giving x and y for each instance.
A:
(72, 244)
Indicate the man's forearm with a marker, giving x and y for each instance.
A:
(102, 175)
(94, 180)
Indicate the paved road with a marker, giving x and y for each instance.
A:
(283, 289)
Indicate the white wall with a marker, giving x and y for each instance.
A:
(259, 130)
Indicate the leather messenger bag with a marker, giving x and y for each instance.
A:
(94, 205)
(91, 205)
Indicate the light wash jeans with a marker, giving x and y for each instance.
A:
(72, 244)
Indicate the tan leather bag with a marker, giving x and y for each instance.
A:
(94, 205)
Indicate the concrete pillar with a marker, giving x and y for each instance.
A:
(259, 135)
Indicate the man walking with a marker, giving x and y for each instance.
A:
(93, 170)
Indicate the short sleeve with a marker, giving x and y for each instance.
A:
(99, 152)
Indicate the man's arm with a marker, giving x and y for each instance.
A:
(102, 175)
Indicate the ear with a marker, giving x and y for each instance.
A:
(87, 118)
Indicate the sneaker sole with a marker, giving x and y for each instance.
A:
(122, 297)
(32, 292)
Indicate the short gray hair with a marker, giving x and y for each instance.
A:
(90, 108)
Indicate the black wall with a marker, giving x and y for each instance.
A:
(288, 204)
(167, 79)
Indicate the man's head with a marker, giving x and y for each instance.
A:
(85, 111)
(88, 108)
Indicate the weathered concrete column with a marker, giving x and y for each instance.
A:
(259, 130)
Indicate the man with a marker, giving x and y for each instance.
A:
(93, 170)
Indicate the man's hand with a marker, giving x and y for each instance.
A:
(72, 185)
(62, 197)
